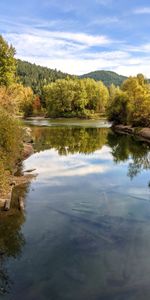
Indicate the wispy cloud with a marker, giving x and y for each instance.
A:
(71, 52)
(54, 43)
(78, 43)
(69, 166)
(142, 10)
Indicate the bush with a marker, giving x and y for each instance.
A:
(10, 146)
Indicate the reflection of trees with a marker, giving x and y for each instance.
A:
(125, 147)
(68, 140)
(11, 237)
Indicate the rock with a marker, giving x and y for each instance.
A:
(27, 151)
(27, 137)
(124, 128)
(142, 134)
(145, 133)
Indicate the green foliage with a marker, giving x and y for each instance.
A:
(13, 98)
(36, 77)
(118, 108)
(7, 63)
(75, 97)
(10, 146)
(125, 147)
(131, 104)
(17, 99)
(107, 77)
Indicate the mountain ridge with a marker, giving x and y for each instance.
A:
(108, 77)
(36, 76)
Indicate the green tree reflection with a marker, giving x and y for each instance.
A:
(71, 140)
(125, 147)
(11, 237)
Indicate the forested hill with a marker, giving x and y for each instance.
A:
(107, 77)
(36, 76)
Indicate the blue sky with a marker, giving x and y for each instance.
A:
(80, 36)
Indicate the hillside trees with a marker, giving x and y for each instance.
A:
(35, 77)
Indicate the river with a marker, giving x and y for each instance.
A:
(85, 231)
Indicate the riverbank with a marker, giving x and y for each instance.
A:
(95, 116)
(14, 179)
(141, 133)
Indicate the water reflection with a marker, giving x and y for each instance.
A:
(127, 147)
(72, 140)
(11, 237)
(87, 230)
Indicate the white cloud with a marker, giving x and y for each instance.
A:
(142, 10)
(131, 70)
(79, 53)
(49, 165)
(55, 44)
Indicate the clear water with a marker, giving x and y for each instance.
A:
(85, 232)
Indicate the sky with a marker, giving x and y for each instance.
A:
(80, 36)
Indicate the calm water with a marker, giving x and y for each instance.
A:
(85, 232)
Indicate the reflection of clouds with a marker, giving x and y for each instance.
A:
(104, 153)
(49, 164)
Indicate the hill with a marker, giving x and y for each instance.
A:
(107, 77)
(36, 76)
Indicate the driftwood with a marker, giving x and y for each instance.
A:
(29, 171)
(9, 197)
(21, 203)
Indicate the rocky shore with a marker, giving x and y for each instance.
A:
(141, 133)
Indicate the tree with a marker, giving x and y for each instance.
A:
(75, 97)
(118, 108)
(7, 63)
(10, 147)
(131, 104)
(16, 98)
(138, 92)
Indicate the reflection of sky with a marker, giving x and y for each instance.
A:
(87, 230)
(69, 122)
(96, 170)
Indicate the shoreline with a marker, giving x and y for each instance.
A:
(143, 133)
(14, 179)
(94, 117)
